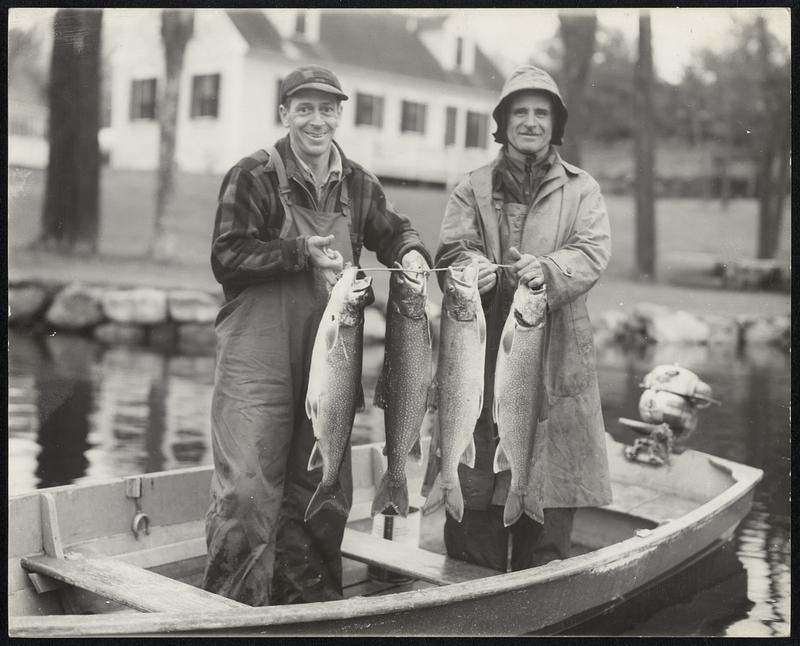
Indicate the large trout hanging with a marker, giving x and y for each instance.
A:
(459, 385)
(520, 400)
(402, 389)
(334, 385)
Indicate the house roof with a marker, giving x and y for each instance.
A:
(255, 28)
(381, 41)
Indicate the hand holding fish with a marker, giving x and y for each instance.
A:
(487, 275)
(527, 268)
(320, 254)
(413, 260)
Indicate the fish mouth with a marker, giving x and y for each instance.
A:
(523, 323)
(458, 281)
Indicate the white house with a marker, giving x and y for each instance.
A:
(421, 91)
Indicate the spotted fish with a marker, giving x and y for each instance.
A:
(402, 389)
(520, 401)
(334, 385)
(458, 385)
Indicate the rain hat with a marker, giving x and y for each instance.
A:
(311, 77)
(529, 77)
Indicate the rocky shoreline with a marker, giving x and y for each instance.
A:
(184, 319)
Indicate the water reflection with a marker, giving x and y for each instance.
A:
(81, 412)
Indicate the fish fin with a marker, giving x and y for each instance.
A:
(433, 395)
(454, 502)
(533, 509)
(385, 450)
(435, 498)
(513, 509)
(333, 497)
(544, 411)
(331, 335)
(416, 451)
(315, 459)
(380, 399)
(481, 328)
(310, 409)
(360, 405)
(391, 494)
(468, 457)
(501, 462)
(507, 342)
(495, 408)
(430, 325)
(480, 403)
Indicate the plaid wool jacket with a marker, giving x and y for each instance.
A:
(246, 247)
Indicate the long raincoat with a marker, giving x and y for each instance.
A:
(260, 549)
(567, 228)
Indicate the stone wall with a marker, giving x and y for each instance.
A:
(184, 319)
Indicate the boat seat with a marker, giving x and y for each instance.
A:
(127, 584)
(409, 560)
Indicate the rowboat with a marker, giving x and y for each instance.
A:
(126, 557)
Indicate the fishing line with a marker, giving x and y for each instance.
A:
(421, 271)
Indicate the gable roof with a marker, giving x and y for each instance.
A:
(255, 28)
(380, 40)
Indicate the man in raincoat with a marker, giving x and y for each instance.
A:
(547, 219)
(282, 214)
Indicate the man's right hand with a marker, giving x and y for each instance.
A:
(320, 254)
(487, 275)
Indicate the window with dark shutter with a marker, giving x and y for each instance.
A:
(413, 117)
(477, 127)
(205, 95)
(450, 127)
(143, 99)
(369, 110)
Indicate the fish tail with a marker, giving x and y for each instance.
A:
(454, 502)
(533, 509)
(391, 494)
(448, 495)
(513, 510)
(333, 496)
(435, 498)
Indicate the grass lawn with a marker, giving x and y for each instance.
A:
(684, 226)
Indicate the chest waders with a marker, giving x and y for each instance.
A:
(481, 537)
(260, 551)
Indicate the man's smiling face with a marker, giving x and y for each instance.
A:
(312, 118)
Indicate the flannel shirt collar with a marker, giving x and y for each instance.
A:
(334, 165)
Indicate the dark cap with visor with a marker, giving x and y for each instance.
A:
(311, 77)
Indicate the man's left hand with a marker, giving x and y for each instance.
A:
(414, 260)
(527, 268)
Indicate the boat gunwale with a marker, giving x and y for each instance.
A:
(745, 479)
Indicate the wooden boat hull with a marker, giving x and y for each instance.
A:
(539, 600)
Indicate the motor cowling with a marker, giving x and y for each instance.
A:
(672, 395)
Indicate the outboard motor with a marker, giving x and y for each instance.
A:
(668, 407)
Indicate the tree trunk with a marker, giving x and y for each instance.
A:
(177, 27)
(578, 36)
(645, 154)
(70, 219)
(773, 168)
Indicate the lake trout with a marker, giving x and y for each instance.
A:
(520, 401)
(334, 385)
(402, 389)
(458, 385)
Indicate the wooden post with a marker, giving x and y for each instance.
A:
(645, 153)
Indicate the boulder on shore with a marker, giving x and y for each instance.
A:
(76, 307)
(25, 302)
(192, 306)
(143, 305)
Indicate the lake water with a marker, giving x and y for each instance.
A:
(81, 412)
